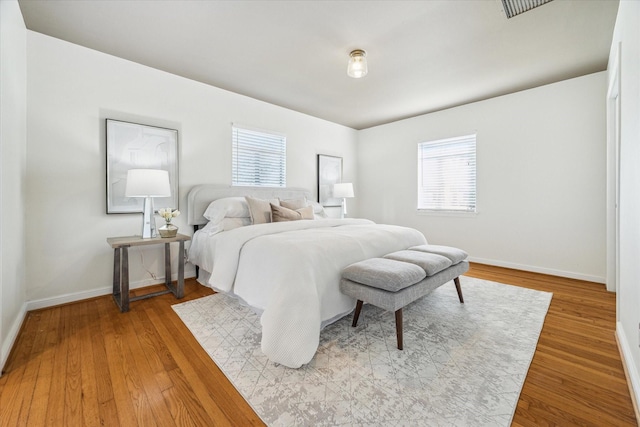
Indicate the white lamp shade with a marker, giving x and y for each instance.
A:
(343, 190)
(147, 183)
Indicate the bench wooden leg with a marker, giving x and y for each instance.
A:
(459, 289)
(357, 313)
(399, 328)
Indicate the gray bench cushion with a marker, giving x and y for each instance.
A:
(384, 273)
(431, 263)
(454, 254)
(393, 301)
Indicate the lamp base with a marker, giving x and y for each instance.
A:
(148, 221)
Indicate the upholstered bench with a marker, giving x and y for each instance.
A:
(402, 277)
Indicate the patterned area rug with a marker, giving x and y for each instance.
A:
(462, 364)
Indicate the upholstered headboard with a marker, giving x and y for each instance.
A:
(201, 195)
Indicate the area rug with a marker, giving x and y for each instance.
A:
(462, 364)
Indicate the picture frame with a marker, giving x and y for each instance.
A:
(329, 173)
(138, 146)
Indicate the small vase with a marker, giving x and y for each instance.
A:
(168, 230)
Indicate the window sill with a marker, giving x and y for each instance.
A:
(448, 214)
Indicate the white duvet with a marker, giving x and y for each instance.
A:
(290, 271)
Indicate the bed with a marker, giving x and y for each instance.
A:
(288, 272)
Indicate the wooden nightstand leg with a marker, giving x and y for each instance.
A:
(116, 273)
(180, 290)
(167, 265)
(124, 281)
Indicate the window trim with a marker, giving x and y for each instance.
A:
(281, 163)
(443, 211)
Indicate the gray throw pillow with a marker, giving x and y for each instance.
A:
(281, 214)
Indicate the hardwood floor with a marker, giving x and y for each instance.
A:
(86, 364)
(576, 376)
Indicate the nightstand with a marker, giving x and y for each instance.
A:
(121, 247)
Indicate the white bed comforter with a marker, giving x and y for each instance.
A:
(291, 272)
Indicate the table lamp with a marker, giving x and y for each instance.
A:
(343, 191)
(148, 183)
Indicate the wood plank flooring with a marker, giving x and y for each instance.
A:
(86, 364)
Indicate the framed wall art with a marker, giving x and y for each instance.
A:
(137, 146)
(329, 173)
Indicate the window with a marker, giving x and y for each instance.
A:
(447, 174)
(259, 158)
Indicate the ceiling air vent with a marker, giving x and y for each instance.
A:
(516, 7)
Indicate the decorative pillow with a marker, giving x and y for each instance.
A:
(281, 214)
(260, 210)
(228, 207)
(294, 203)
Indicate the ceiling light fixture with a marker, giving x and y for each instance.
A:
(357, 64)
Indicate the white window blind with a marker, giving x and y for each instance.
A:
(447, 174)
(259, 158)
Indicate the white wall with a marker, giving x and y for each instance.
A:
(627, 33)
(540, 178)
(13, 138)
(71, 90)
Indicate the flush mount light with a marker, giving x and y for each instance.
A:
(357, 64)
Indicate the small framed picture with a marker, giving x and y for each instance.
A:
(329, 173)
(137, 146)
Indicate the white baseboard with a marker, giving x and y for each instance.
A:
(542, 270)
(9, 341)
(97, 292)
(630, 368)
(7, 345)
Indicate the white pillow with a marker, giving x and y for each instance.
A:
(226, 224)
(228, 207)
(318, 209)
(211, 229)
(231, 223)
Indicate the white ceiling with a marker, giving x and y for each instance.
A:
(423, 56)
